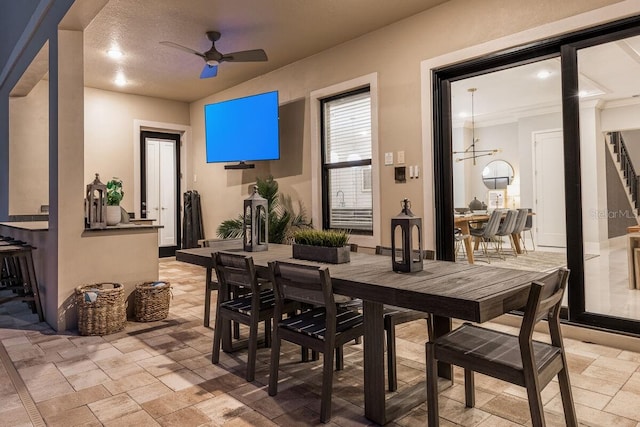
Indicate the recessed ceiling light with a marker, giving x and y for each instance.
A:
(120, 80)
(463, 114)
(115, 53)
(583, 93)
(543, 74)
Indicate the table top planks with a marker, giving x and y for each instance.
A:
(468, 292)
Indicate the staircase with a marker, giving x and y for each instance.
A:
(628, 175)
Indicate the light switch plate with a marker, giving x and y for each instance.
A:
(388, 159)
(400, 157)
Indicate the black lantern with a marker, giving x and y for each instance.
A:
(96, 204)
(256, 223)
(403, 257)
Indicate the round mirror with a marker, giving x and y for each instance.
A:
(497, 175)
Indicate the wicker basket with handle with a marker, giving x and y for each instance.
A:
(152, 301)
(101, 308)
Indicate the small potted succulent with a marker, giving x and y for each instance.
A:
(329, 246)
(114, 197)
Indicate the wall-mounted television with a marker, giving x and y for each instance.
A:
(243, 129)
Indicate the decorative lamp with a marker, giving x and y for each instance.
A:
(255, 223)
(403, 257)
(96, 204)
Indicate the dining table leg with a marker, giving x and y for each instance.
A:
(374, 385)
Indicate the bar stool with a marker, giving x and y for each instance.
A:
(17, 273)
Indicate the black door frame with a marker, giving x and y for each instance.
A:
(163, 251)
(565, 47)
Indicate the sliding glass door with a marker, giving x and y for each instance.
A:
(564, 115)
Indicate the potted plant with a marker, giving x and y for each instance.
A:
(114, 197)
(322, 245)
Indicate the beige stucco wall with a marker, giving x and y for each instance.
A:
(29, 151)
(109, 137)
(394, 52)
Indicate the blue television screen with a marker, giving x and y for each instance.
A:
(243, 129)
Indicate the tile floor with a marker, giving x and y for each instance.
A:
(160, 373)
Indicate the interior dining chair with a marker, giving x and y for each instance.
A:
(505, 229)
(528, 226)
(394, 316)
(521, 221)
(249, 308)
(486, 235)
(324, 328)
(515, 359)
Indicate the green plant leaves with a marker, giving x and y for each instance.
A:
(115, 194)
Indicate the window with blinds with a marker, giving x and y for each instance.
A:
(346, 157)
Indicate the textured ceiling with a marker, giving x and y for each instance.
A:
(288, 30)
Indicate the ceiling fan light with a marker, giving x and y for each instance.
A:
(212, 62)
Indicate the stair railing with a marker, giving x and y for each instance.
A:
(626, 165)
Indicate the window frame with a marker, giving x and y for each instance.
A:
(370, 80)
(328, 167)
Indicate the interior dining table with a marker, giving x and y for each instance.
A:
(445, 289)
(463, 222)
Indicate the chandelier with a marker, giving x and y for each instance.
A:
(471, 152)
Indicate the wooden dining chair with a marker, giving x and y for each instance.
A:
(515, 359)
(394, 316)
(250, 308)
(323, 328)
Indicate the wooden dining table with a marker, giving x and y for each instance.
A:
(463, 223)
(445, 289)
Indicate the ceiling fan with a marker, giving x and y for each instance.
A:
(213, 58)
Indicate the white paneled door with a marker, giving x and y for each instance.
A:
(161, 191)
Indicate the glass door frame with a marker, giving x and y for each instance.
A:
(565, 47)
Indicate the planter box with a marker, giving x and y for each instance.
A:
(322, 253)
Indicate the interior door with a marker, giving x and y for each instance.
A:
(549, 189)
(160, 182)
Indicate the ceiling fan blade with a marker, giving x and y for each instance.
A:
(183, 48)
(245, 56)
(209, 71)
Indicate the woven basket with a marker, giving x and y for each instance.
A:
(152, 301)
(101, 308)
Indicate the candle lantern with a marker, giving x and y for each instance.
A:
(96, 204)
(255, 223)
(403, 257)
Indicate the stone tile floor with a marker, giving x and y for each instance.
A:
(160, 373)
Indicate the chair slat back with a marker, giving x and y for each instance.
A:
(236, 270)
(302, 283)
(544, 302)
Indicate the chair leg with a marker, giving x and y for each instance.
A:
(339, 358)
(275, 364)
(267, 333)
(217, 337)
(469, 389)
(432, 386)
(253, 349)
(392, 374)
(327, 386)
(567, 398)
(535, 404)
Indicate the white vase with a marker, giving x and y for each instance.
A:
(113, 215)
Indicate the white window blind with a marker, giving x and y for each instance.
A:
(347, 163)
